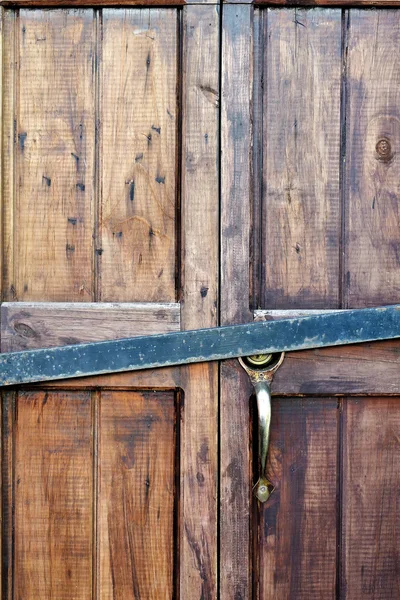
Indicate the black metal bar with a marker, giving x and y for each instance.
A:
(202, 345)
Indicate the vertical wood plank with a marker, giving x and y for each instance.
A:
(136, 495)
(298, 523)
(301, 157)
(372, 274)
(371, 483)
(199, 467)
(139, 116)
(53, 220)
(9, 68)
(53, 496)
(7, 493)
(235, 391)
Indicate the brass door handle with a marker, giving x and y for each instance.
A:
(261, 369)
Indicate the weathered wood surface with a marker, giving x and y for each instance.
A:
(318, 3)
(136, 495)
(199, 430)
(371, 269)
(370, 368)
(53, 491)
(145, 121)
(90, 171)
(297, 553)
(43, 325)
(371, 483)
(139, 112)
(236, 140)
(100, 3)
(301, 158)
(49, 194)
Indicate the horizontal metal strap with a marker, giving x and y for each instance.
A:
(202, 345)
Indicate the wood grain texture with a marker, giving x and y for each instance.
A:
(372, 274)
(53, 496)
(370, 368)
(371, 486)
(138, 149)
(298, 523)
(100, 3)
(301, 158)
(200, 270)
(136, 495)
(319, 3)
(54, 156)
(235, 389)
(9, 68)
(236, 144)
(153, 379)
(43, 325)
(7, 493)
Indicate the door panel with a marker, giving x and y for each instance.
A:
(308, 154)
(138, 111)
(297, 548)
(92, 180)
(370, 529)
(110, 193)
(136, 494)
(300, 171)
(52, 494)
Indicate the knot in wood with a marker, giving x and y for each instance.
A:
(384, 149)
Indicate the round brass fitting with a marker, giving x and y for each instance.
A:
(263, 362)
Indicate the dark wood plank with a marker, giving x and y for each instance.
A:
(138, 151)
(7, 493)
(136, 495)
(371, 484)
(301, 158)
(298, 523)
(372, 274)
(43, 325)
(51, 207)
(53, 496)
(200, 250)
(235, 390)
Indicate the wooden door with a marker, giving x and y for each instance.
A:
(110, 229)
(133, 203)
(310, 220)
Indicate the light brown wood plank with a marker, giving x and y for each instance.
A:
(53, 496)
(53, 218)
(371, 483)
(301, 157)
(200, 235)
(136, 495)
(9, 68)
(139, 114)
(372, 274)
(101, 3)
(43, 325)
(298, 523)
(236, 143)
(153, 379)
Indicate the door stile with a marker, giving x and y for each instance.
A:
(199, 308)
(236, 192)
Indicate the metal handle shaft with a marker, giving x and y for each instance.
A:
(261, 370)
